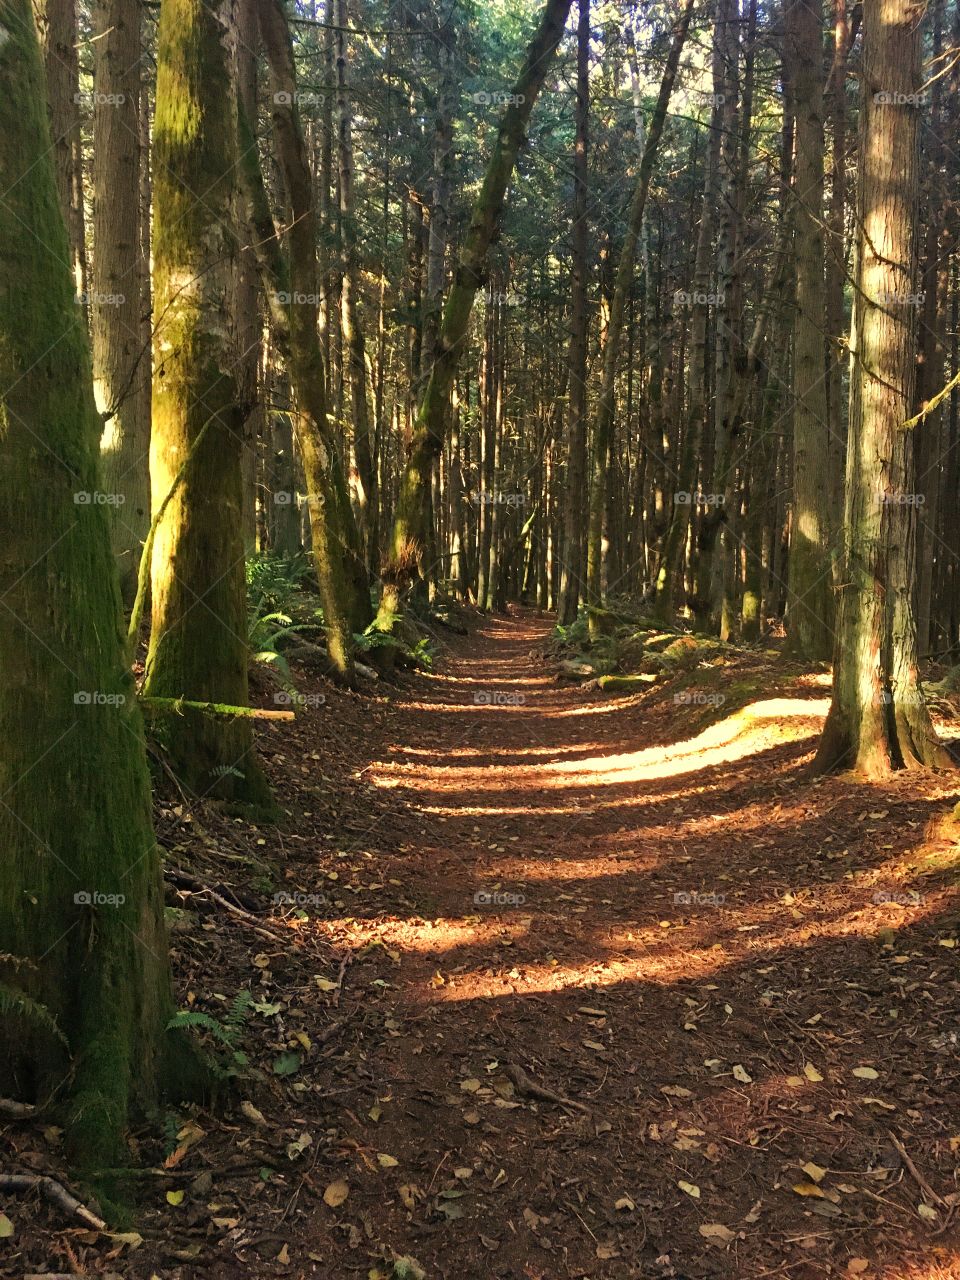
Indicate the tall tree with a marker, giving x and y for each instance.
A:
(57, 22)
(878, 720)
(85, 977)
(120, 364)
(606, 403)
(575, 490)
(198, 638)
(810, 615)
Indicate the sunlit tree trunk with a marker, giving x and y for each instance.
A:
(198, 639)
(351, 323)
(878, 720)
(292, 290)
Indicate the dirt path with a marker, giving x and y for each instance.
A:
(577, 987)
(643, 908)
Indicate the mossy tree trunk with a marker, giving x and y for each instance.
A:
(198, 641)
(291, 281)
(878, 720)
(82, 898)
(411, 536)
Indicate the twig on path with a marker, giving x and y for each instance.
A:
(533, 1090)
(183, 880)
(915, 1173)
(341, 974)
(54, 1192)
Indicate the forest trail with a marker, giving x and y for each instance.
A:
(572, 986)
(534, 840)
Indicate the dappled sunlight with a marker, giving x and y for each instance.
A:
(752, 729)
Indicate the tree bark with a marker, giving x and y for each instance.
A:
(121, 364)
(575, 490)
(878, 720)
(810, 610)
(198, 641)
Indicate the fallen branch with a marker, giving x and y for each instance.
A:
(183, 880)
(533, 1090)
(221, 709)
(915, 1173)
(54, 1192)
(344, 964)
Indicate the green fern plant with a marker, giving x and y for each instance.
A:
(17, 1004)
(228, 1032)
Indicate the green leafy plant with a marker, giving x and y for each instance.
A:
(228, 1032)
(17, 1004)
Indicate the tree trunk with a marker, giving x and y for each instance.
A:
(878, 720)
(121, 365)
(292, 293)
(84, 950)
(351, 325)
(198, 641)
(810, 615)
(606, 406)
(575, 491)
(57, 23)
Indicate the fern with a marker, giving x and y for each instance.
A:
(17, 1004)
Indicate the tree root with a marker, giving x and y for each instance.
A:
(54, 1192)
(533, 1090)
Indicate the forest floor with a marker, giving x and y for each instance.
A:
(579, 986)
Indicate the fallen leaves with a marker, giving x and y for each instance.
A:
(336, 1193)
(717, 1233)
